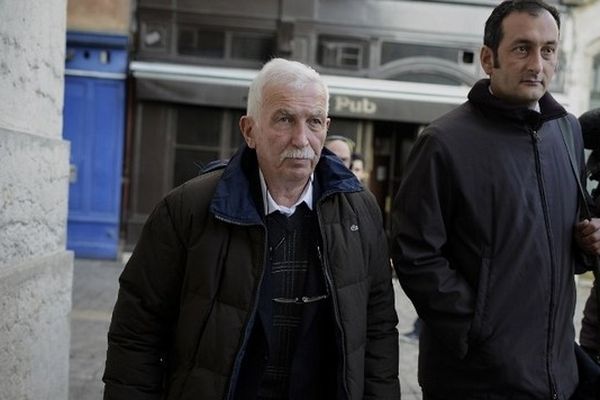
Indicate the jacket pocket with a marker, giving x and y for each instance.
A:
(479, 325)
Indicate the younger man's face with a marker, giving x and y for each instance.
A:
(526, 60)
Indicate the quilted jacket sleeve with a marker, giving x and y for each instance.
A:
(381, 355)
(145, 312)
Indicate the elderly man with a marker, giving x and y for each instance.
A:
(265, 279)
(483, 225)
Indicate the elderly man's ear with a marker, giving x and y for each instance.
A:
(247, 129)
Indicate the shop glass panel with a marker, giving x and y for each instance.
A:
(189, 163)
(199, 126)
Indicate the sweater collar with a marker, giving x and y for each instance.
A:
(495, 107)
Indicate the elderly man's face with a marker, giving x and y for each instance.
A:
(289, 134)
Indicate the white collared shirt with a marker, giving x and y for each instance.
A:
(271, 206)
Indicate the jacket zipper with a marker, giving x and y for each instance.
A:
(550, 338)
(334, 300)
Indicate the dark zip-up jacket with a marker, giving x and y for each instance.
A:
(483, 245)
(189, 294)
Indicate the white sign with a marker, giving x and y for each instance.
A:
(358, 106)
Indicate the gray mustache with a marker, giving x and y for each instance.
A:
(305, 153)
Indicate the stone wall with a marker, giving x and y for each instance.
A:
(35, 268)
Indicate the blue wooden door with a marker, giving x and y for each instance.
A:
(94, 123)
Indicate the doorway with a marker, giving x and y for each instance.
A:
(392, 142)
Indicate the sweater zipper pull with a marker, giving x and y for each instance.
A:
(535, 135)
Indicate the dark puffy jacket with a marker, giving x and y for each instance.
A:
(483, 245)
(188, 295)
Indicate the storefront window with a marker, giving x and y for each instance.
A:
(203, 135)
(198, 126)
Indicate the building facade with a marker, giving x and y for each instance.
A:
(392, 67)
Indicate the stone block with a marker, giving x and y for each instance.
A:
(33, 196)
(35, 303)
(32, 44)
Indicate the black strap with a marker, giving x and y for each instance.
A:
(567, 135)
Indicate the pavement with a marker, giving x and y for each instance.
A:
(95, 285)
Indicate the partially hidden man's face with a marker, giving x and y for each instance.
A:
(341, 150)
(358, 167)
(527, 58)
(290, 132)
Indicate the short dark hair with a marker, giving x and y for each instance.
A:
(493, 33)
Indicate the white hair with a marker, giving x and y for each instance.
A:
(282, 72)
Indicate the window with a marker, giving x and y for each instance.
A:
(391, 51)
(201, 43)
(252, 47)
(224, 44)
(424, 63)
(343, 53)
(203, 134)
(198, 126)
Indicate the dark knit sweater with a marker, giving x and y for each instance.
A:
(294, 307)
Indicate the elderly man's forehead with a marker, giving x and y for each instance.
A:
(287, 96)
(292, 87)
(314, 111)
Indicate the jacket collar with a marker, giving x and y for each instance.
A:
(237, 197)
(494, 107)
